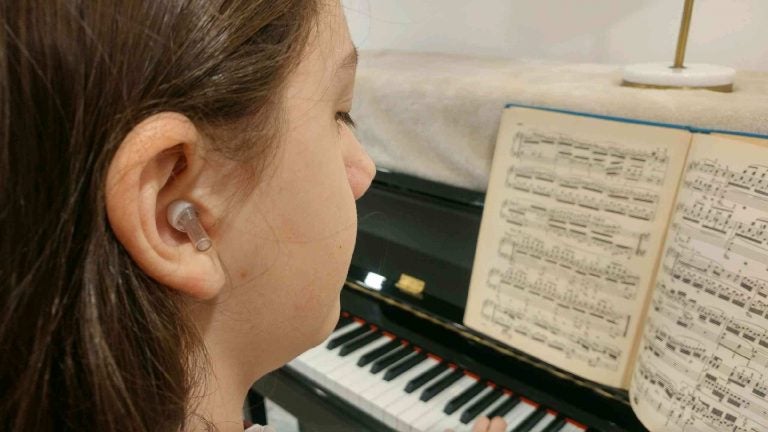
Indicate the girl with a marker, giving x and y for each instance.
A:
(111, 112)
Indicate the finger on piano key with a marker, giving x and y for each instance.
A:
(427, 376)
(391, 358)
(447, 399)
(520, 412)
(407, 363)
(348, 336)
(423, 419)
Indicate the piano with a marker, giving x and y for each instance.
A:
(400, 358)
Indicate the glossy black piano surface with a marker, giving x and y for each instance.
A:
(428, 231)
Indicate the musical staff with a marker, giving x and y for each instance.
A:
(611, 160)
(576, 221)
(703, 359)
(542, 329)
(577, 226)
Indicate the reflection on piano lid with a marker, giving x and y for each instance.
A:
(414, 340)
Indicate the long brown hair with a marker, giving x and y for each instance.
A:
(88, 341)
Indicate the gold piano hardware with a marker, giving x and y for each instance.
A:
(410, 285)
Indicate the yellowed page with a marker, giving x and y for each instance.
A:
(703, 359)
(573, 222)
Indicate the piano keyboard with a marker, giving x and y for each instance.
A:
(411, 390)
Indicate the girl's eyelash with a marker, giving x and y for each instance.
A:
(345, 118)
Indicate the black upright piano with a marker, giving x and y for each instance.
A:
(401, 359)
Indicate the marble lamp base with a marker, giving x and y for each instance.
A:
(692, 76)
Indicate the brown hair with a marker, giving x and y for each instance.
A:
(88, 341)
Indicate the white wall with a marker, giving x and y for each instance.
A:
(729, 32)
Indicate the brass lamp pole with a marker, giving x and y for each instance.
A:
(682, 38)
(680, 76)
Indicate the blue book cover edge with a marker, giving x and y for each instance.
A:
(692, 129)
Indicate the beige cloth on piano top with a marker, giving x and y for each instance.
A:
(436, 116)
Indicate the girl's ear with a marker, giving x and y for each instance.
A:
(159, 162)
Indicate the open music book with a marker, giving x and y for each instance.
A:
(634, 255)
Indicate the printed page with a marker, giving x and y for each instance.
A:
(571, 231)
(703, 360)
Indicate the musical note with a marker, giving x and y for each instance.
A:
(567, 259)
(704, 351)
(576, 226)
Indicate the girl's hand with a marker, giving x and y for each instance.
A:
(483, 424)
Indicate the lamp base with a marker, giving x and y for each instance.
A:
(693, 76)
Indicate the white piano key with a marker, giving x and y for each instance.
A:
(450, 422)
(403, 401)
(397, 385)
(544, 422)
(388, 401)
(325, 363)
(337, 365)
(351, 359)
(354, 325)
(519, 413)
(374, 398)
(571, 427)
(421, 421)
(340, 376)
(309, 354)
(358, 382)
(453, 422)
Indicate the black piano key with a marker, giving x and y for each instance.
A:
(531, 421)
(464, 397)
(404, 366)
(441, 384)
(504, 408)
(425, 377)
(476, 408)
(358, 343)
(346, 337)
(555, 425)
(343, 322)
(378, 352)
(500, 411)
(389, 359)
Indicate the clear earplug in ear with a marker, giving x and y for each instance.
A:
(183, 216)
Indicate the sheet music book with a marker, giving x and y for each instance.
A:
(634, 255)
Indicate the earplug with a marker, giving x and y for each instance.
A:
(183, 216)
